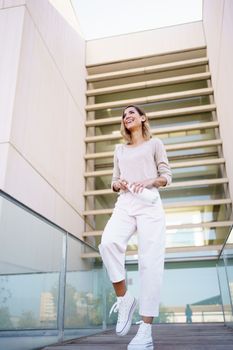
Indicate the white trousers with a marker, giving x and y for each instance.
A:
(129, 215)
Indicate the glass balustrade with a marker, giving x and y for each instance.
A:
(186, 286)
(47, 291)
(225, 275)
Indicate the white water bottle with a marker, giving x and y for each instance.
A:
(146, 195)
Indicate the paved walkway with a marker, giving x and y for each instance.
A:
(166, 337)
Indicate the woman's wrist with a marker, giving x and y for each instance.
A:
(160, 182)
(120, 185)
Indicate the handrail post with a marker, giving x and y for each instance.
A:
(104, 299)
(220, 289)
(62, 290)
(228, 283)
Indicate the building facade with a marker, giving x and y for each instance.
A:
(60, 114)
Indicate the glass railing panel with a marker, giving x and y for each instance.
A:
(31, 257)
(195, 285)
(225, 274)
(32, 279)
(184, 283)
(83, 301)
(30, 269)
(228, 255)
(224, 290)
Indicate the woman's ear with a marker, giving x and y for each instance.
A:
(143, 118)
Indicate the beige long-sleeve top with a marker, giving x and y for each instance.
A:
(145, 161)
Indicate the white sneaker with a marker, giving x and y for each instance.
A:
(143, 339)
(125, 306)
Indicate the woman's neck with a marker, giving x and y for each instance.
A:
(136, 137)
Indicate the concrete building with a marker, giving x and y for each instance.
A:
(61, 101)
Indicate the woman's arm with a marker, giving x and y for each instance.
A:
(116, 172)
(117, 183)
(164, 170)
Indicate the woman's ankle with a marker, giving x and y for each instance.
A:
(120, 288)
(147, 319)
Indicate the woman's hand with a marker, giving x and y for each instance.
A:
(120, 185)
(138, 186)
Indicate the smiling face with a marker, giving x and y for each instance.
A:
(132, 119)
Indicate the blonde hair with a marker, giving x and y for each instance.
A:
(146, 131)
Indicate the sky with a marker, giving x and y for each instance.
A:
(103, 18)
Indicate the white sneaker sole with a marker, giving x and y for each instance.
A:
(127, 326)
(148, 346)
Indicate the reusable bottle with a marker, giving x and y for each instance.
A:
(146, 195)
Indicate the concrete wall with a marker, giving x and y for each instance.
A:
(148, 42)
(11, 22)
(218, 29)
(43, 114)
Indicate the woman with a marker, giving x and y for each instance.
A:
(141, 162)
